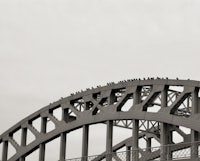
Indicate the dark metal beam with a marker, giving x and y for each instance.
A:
(163, 128)
(5, 151)
(63, 136)
(85, 140)
(23, 141)
(194, 134)
(135, 136)
(42, 145)
(107, 112)
(109, 140)
(63, 142)
(128, 153)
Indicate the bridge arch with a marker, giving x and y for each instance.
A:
(171, 103)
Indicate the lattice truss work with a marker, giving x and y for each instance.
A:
(155, 110)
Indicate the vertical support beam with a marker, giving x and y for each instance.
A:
(194, 146)
(109, 139)
(111, 98)
(63, 136)
(194, 134)
(63, 140)
(128, 153)
(24, 137)
(163, 128)
(5, 151)
(137, 96)
(164, 97)
(42, 146)
(42, 152)
(85, 140)
(135, 129)
(163, 141)
(23, 140)
(135, 135)
(65, 115)
(169, 151)
(195, 103)
(148, 145)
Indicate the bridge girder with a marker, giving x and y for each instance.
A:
(173, 108)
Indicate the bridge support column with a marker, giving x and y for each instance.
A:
(63, 142)
(128, 153)
(85, 140)
(5, 151)
(109, 139)
(135, 129)
(169, 151)
(42, 146)
(23, 140)
(148, 145)
(164, 140)
(194, 146)
(194, 134)
(63, 136)
(135, 134)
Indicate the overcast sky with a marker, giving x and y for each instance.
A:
(51, 48)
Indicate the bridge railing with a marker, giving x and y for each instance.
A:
(177, 151)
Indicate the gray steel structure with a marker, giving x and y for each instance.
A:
(158, 109)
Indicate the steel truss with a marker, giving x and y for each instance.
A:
(152, 109)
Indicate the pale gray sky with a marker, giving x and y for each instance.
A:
(50, 48)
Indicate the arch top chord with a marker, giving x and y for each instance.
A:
(98, 105)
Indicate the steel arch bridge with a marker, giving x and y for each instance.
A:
(157, 109)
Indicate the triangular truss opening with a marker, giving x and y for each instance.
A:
(37, 123)
(116, 95)
(155, 105)
(78, 104)
(184, 109)
(145, 92)
(57, 113)
(17, 136)
(126, 103)
(50, 125)
(30, 137)
(11, 150)
(173, 93)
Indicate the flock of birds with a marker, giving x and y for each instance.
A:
(123, 81)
